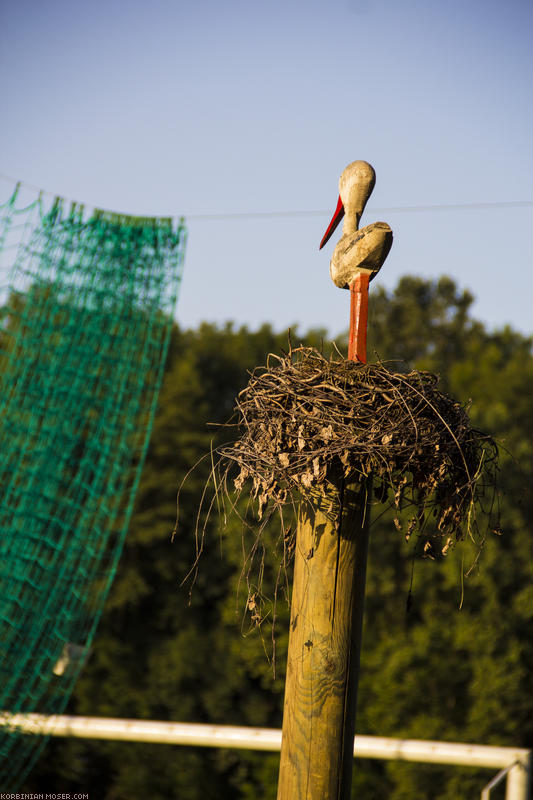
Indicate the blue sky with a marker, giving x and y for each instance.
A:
(210, 108)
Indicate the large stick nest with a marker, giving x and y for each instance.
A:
(309, 424)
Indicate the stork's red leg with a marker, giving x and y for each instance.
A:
(358, 318)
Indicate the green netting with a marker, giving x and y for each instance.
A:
(86, 313)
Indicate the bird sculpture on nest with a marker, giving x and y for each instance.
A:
(360, 252)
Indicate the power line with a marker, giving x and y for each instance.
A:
(390, 209)
(316, 213)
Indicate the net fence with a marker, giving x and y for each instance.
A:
(86, 306)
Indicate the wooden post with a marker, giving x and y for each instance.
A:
(324, 650)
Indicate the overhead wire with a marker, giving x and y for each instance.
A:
(236, 215)
(389, 209)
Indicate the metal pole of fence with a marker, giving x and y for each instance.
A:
(514, 759)
(519, 779)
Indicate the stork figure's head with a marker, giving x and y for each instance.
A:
(355, 187)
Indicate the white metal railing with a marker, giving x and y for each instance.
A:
(514, 763)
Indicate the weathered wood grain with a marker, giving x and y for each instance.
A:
(324, 649)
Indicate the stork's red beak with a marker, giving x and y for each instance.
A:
(337, 216)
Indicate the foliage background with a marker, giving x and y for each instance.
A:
(436, 672)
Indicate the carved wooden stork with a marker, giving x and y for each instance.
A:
(360, 253)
